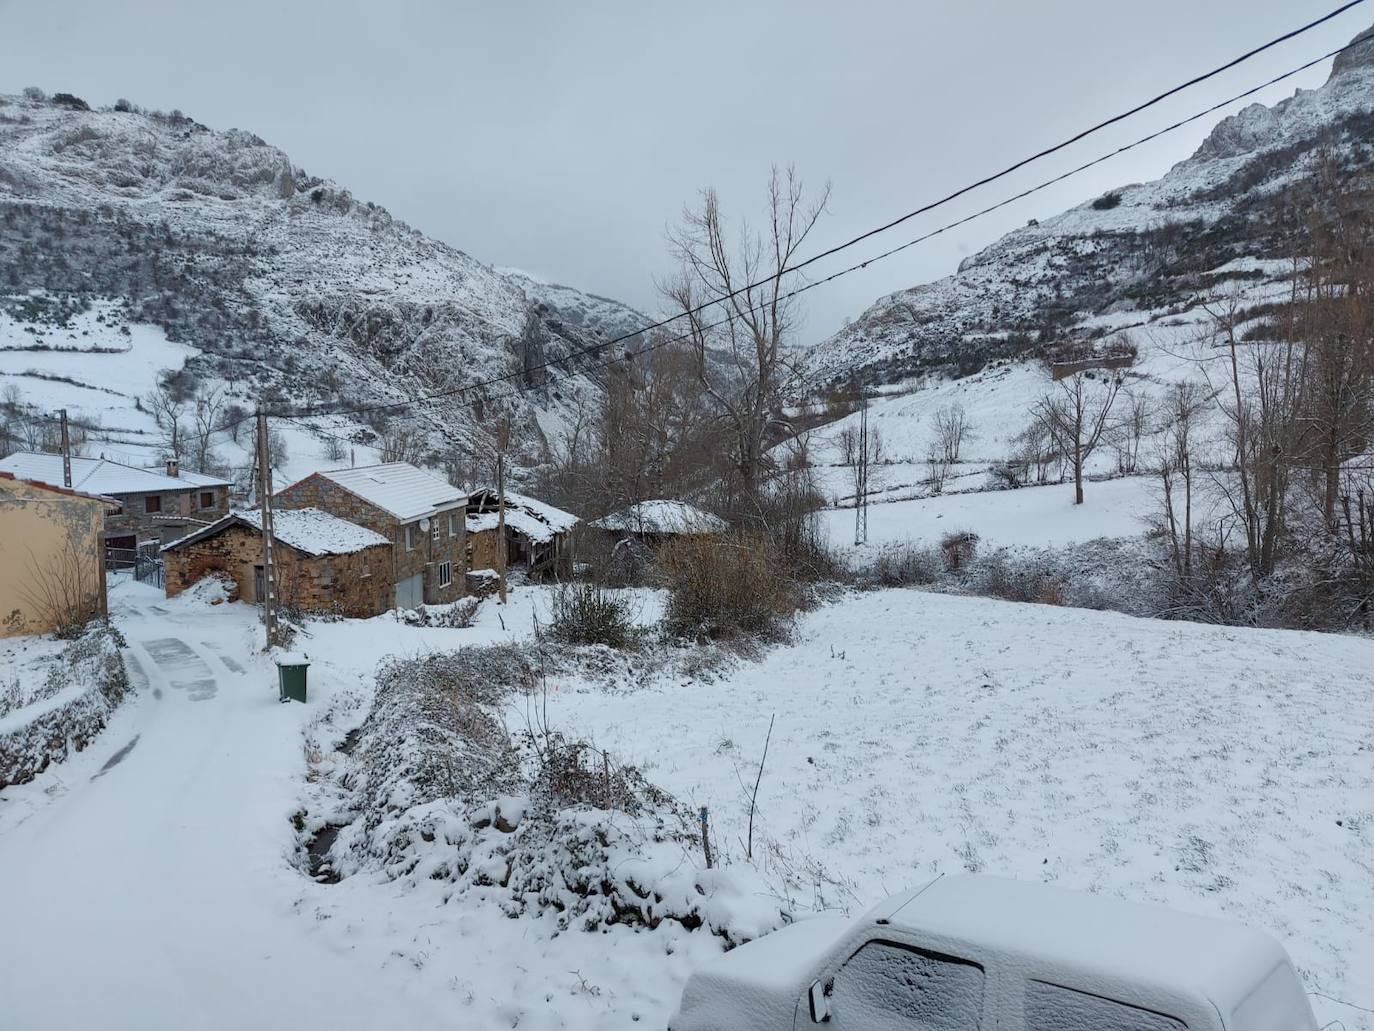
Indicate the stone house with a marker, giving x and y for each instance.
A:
(52, 569)
(538, 536)
(154, 505)
(421, 514)
(323, 563)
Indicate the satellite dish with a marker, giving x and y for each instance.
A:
(424, 524)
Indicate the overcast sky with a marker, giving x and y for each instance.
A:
(562, 138)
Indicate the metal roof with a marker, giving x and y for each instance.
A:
(399, 488)
(101, 476)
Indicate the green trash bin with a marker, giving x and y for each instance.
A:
(291, 668)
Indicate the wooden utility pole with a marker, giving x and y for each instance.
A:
(501, 523)
(66, 452)
(269, 573)
(861, 481)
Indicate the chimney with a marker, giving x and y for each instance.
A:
(173, 467)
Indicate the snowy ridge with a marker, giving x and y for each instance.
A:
(1139, 247)
(287, 285)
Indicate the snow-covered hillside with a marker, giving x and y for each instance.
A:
(287, 287)
(1138, 249)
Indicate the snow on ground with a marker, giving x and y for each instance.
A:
(1029, 517)
(1216, 770)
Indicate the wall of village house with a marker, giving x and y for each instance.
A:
(355, 585)
(432, 547)
(483, 550)
(178, 511)
(51, 563)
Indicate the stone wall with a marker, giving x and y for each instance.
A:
(355, 585)
(54, 732)
(179, 515)
(433, 547)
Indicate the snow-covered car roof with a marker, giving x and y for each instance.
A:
(661, 516)
(101, 476)
(1026, 927)
(398, 488)
(1108, 936)
(305, 529)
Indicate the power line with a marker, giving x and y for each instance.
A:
(333, 410)
(313, 411)
(923, 209)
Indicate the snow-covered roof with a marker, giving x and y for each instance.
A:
(529, 516)
(662, 517)
(305, 529)
(399, 488)
(100, 475)
(59, 490)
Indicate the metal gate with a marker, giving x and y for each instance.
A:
(410, 592)
(148, 567)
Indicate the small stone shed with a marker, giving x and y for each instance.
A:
(324, 563)
(537, 535)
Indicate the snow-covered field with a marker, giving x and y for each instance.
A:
(1029, 517)
(99, 366)
(154, 882)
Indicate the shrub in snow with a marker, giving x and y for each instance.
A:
(536, 822)
(904, 565)
(587, 613)
(457, 616)
(71, 707)
(959, 548)
(726, 584)
(1018, 579)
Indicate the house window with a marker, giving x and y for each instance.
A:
(445, 573)
(434, 532)
(454, 526)
(207, 499)
(412, 536)
(152, 503)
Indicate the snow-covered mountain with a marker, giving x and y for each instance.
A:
(288, 288)
(1142, 248)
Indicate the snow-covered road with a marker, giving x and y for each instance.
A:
(147, 885)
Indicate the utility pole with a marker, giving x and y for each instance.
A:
(861, 480)
(269, 573)
(501, 523)
(501, 440)
(66, 452)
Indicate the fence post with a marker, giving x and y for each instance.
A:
(706, 836)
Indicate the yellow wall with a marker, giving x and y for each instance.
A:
(51, 558)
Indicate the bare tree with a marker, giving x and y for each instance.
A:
(207, 419)
(1177, 470)
(401, 443)
(167, 406)
(333, 448)
(1334, 318)
(1128, 432)
(276, 449)
(1074, 416)
(1261, 403)
(951, 429)
(742, 366)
